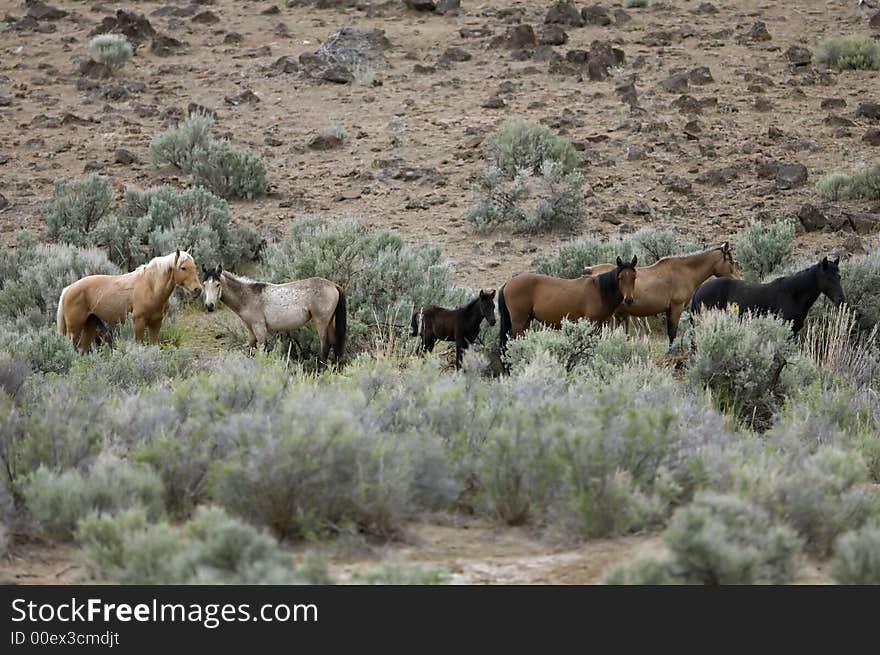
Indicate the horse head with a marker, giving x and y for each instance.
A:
(184, 273)
(829, 280)
(727, 266)
(626, 278)
(211, 283)
(487, 305)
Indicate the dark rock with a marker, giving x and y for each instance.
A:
(675, 83)
(41, 11)
(603, 57)
(271, 10)
(456, 54)
(833, 103)
(789, 176)
(621, 16)
(206, 18)
(595, 15)
(245, 97)
(447, 6)
(872, 137)
(94, 69)
(553, 35)
(811, 217)
(327, 140)
(579, 57)
(134, 26)
(337, 75)
(233, 38)
(93, 167)
(124, 157)
(759, 32)
(688, 104)
(700, 75)
(799, 56)
(286, 64)
(474, 33)
(838, 121)
(774, 132)
(677, 184)
(166, 46)
(874, 23)
(564, 13)
(5, 101)
(838, 220)
(864, 223)
(418, 69)
(718, 176)
(706, 8)
(196, 108)
(870, 110)
(520, 36)
(420, 5)
(253, 53)
(762, 104)
(627, 93)
(693, 129)
(493, 102)
(4, 203)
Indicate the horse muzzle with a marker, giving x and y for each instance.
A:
(628, 301)
(210, 307)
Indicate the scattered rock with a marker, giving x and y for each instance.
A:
(870, 110)
(677, 184)
(688, 104)
(337, 75)
(700, 75)
(864, 223)
(872, 137)
(134, 26)
(233, 38)
(456, 54)
(595, 15)
(833, 103)
(789, 176)
(564, 13)
(602, 58)
(245, 97)
(447, 6)
(286, 64)
(838, 121)
(553, 35)
(811, 217)
(329, 139)
(759, 32)
(41, 11)
(4, 203)
(494, 102)
(718, 176)
(676, 83)
(799, 56)
(166, 46)
(762, 104)
(420, 5)
(206, 18)
(271, 10)
(124, 157)
(516, 37)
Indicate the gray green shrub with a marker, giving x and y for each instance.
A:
(644, 571)
(396, 573)
(573, 256)
(635, 4)
(763, 250)
(229, 172)
(58, 501)
(849, 53)
(857, 557)
(522, 145)
(76, 208)
(176, 147)
(864, 184)
(834, 186)
(112, 50)
(652, 244)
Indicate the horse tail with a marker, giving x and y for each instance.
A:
(504, 317)
(340, 324)
(60, 322)
(414, 323)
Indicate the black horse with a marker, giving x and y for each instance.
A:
(788, 297)
(460, 325)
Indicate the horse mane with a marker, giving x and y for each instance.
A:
(163, 263)
(243, 279)
(797, 280)
(704, 251)
(608, 287)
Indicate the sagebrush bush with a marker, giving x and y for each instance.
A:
(176, 146)
(155, 221)
(573, 256)
(857, 557)
(571, 346)
(42, 349)
(396, 573)
(112, 50)
(384, 279)
(635, 4)
(748, 363)
(762, 250)
(76, 208)
(229, 172)
(652, 244)
(834, 186)
(864, 184)
(644, 571)
(849, 53)
(860, 281)
(549, 200)
(212, 548)
(58, 501)
(525, 145)
(722, 540)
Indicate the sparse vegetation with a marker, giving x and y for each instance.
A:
(573, 256)
(77, 208)
(112, 50)
(635, 4)
(764, 250)
(849, 53)
(857, 557)
(861, 185)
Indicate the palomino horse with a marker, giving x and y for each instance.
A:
(549, 299)
(666, 286)
(789, 297)
(109, 298)
(460, 325)
(265, 307)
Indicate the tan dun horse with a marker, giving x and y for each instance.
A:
(143, 293)
(666, 286)
(265, 307)
(550, 299)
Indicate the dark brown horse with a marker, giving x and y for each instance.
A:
(460, 325)
(549, 299)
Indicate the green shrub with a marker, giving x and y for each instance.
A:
(849, 53)
(722, 540)
(176, 147)
(860, 281)
(394, 573)
(573, 256)
(156, 221)
(76, 209)
(112, 50)
(58, 501)
(644, 571)
(43, 349)
(229, 172)
(748, 363)
(652, 244)
(212, 548)
(571, 346)
(762, 250)
(522, 145)
(857, 557)
(834, 186)
(635, 4)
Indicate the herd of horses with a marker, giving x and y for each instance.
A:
(620, 290)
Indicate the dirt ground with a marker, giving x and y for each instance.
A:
(428, 117)
(434, 121)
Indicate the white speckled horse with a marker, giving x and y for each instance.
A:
(265, 307)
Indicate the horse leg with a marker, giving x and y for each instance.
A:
(428, 345)
(154, 327)
(87, 336)
(324, 334)
(673, 315)
(140, 325)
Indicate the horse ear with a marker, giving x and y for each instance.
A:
(189, 251)
(725, 246)
(635, 260)
(176, 256)
(837, 261)
(824, 262)
(491, 293)
(619, 261)
(219, 269)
